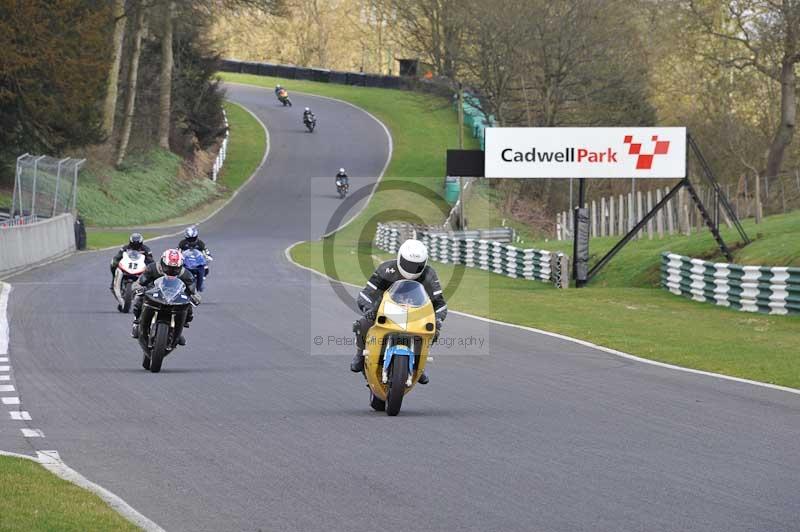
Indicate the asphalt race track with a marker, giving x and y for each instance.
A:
(249, 427)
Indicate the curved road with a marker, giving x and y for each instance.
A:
(246, 429)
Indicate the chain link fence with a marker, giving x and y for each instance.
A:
(44, 186)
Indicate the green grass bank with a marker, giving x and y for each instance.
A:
(32, 499)
(149, 192)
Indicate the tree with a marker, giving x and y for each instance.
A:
(52, 67)
(435, 29)
(167, 63)
(110, 103)
(766, 37)
(133, 78)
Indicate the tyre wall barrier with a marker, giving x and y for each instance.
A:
(22, 246)
(489, 255)
(746, 288)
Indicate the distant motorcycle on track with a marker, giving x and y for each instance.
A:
(283, 97)
(128, 271)
(197, 261)
(342, 187)
(310, 123)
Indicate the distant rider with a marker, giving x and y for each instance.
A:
(342, 176)
(278, 89)
(171, 264)
(136, 243)
(411, 263)
(308, 116)
(191, 240)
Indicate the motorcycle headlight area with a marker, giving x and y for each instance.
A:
(396, 313)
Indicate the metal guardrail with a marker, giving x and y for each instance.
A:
(26, 245)
(770, 290)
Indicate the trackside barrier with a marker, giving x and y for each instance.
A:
(489, 255)
(26, 245)
(223, 150)
(746, 288)
(359, 79)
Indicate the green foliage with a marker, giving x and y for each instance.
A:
(52, 67)
(33, 499)
(148, 189)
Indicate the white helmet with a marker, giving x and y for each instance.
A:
(341, 170)
(307, 110)
(412, 258)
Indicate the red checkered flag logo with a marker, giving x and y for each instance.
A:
(644, 160)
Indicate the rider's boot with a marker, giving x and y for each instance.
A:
(135, 328)
(181, 340)
(423, 379)
(357, 365)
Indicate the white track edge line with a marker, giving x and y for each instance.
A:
(584, 343)
(5, 291)
(65, 472)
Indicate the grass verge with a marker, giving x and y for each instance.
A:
(33, 499)
(623, 309)
(246, 146)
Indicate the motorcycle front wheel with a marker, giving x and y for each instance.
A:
(397, 385)
(127, 297)
(159, 349)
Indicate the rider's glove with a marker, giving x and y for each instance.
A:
(138, 289)
(371, 314)
(438, 330)
(195, 298)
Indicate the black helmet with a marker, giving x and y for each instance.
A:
(136, 240)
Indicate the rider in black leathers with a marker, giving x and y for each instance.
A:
(341, 174)
(411, 263)
(191, 240)
(135, 242)
(159, 269)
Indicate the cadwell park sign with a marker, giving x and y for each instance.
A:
(588, 152)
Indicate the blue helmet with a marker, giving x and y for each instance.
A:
(191, 233)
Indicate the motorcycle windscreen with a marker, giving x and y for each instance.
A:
(410, 293)
(170, 287)
(404, 295)
(193, 258)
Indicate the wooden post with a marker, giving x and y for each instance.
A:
(758, 200)
(602, 216)
(559, 226)
(621, 230)
(683, 222)
(639, 211)
(629, 218)
(612, 230)
(670, 214)
(649, 208)
(659, 216)
(783, 197)
(594, 218)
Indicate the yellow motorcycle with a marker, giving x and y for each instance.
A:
(397, 345)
